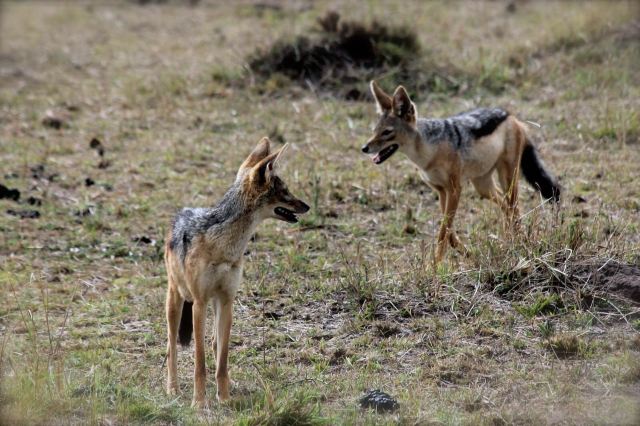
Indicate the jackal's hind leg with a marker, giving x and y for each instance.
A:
(214, 333)
(508, 174)
(456, 244)
(486, 188)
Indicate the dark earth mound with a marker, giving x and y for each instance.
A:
(341, 58)
(614, 278)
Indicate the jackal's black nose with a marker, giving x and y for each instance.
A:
(304, 207)
(365, 148)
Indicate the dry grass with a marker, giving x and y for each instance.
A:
(522, 331)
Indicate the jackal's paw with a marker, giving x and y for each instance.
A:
(199, 404)
(224, 383)
(223, 394)
(223, 399)
(172, 391)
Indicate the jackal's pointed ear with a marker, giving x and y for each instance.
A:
(402, 105)
(277, 161)
(383, 101)
(260, 152)
(266, 169)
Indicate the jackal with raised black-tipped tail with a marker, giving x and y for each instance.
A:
(470, 145)
(204, 254)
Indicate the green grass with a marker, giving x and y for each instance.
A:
(516, 332)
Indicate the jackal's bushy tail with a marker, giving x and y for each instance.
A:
(186, 324)
(537, 175)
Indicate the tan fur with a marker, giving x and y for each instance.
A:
(209, 274)
(212, 271)
(444, 169)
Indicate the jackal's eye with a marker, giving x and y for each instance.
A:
(386, 132)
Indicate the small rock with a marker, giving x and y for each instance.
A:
(338, 356)
(37, 171)
(84, 212)
(143, 239)
(579, 199)
(33, 201)
(89, 182)
(8, 193)
(273, 315)
(97, 145)
(353, 95)
(409, 229)
(24, 214)
(52, 121)
(331, 214)
(379, 401)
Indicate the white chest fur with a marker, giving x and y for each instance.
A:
(221, 279)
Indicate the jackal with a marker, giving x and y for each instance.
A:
(204, 254)
(470, 145)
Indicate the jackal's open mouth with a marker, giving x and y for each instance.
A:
(385, 153)
(286, 214)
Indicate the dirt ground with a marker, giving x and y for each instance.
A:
(114, 114)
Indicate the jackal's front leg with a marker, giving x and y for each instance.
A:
(224, 314)
(200, 370)
(453, 239)
(447, 235)
(214, 332)
(174, 305)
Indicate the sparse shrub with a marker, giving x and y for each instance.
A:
(543, 304)
(386, 328)
(300, 409)
(546, 329)
(566, 346)
(519, 344)
(633, 373)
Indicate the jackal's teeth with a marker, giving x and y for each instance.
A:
(286, 214)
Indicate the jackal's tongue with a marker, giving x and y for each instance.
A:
(385, 153)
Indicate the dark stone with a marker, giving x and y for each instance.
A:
(33, 201)
(97, 145)
(9, 193)
(273, 315)
(53, 122)
(379, 401)
(84, 212)
(143, 239)
(24, 214)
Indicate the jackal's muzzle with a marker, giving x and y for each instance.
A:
(380, 155)
(289, 214)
